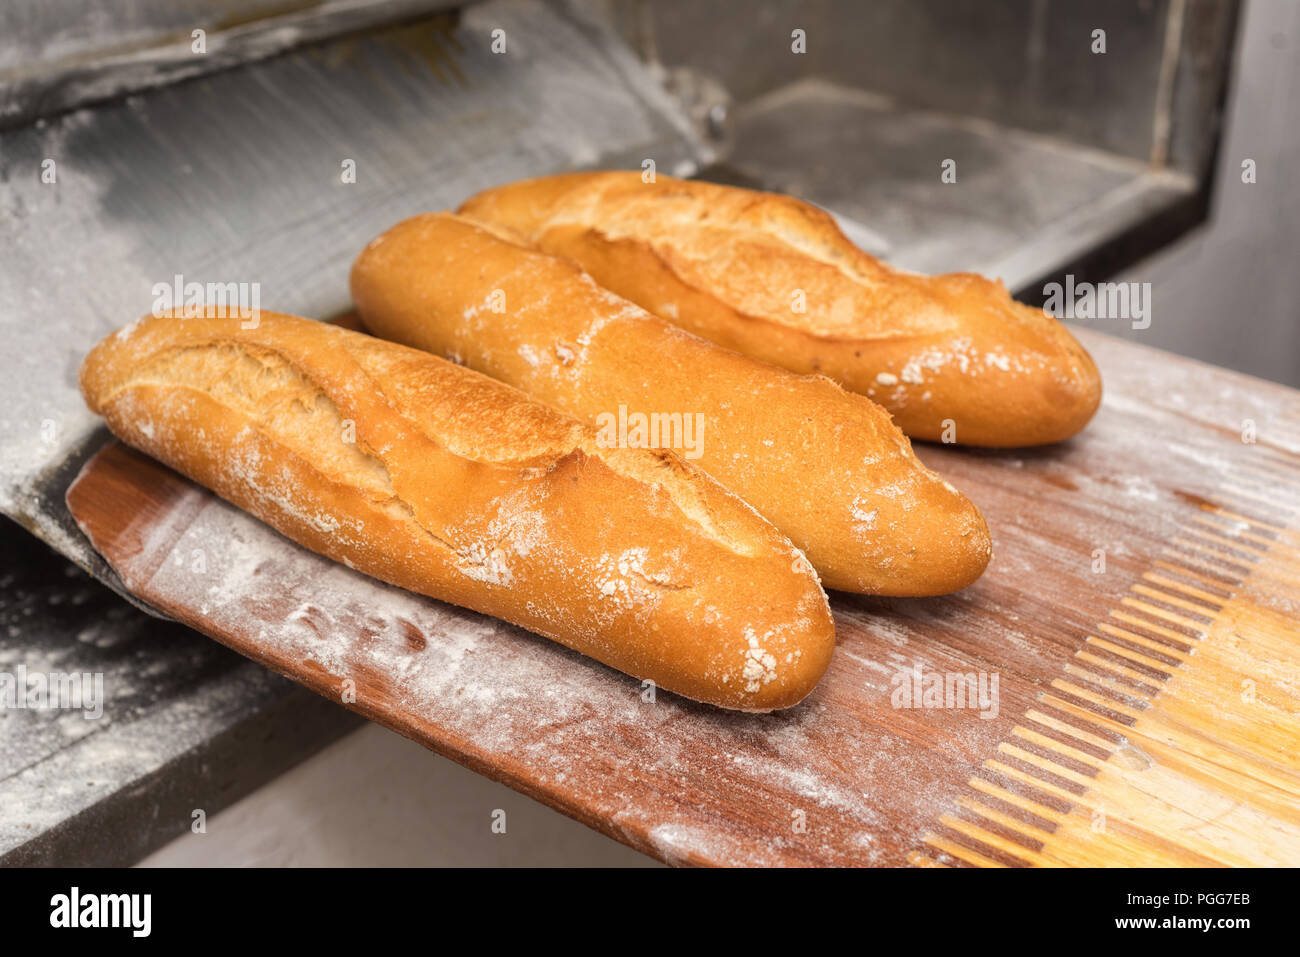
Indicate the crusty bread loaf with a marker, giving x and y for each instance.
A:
(827, 467)
(952, 357)
(440, 480)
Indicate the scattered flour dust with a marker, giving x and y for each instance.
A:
(864, 518)
(760, 665)
(682, 843)
(617, 575)
(485, 565)
(345, 622)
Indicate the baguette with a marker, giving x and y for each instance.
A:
(827, 467)
(461, 488)
(952, 357)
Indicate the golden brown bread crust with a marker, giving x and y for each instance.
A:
(444, 482)
(735, 266)
(827, 467)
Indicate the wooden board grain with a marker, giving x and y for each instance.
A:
(1140, 618)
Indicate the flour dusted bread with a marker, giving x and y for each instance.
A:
(949, 356)
(437, 479)
(827, 467)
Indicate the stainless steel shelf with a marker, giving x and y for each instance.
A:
(1024, 205)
